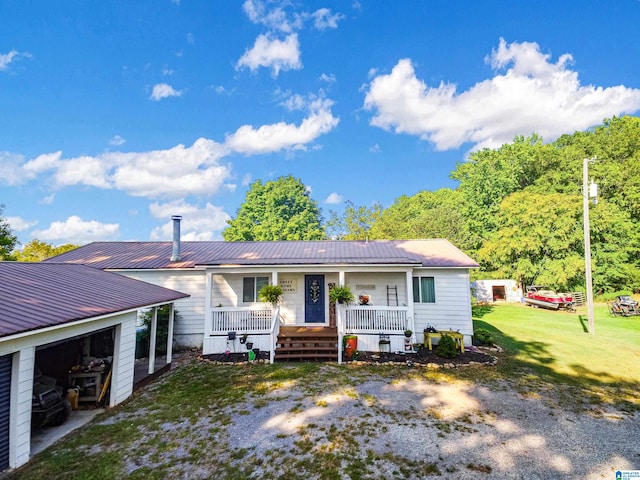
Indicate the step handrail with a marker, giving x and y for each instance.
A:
(273, 335)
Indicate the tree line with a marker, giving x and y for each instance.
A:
(517, 210)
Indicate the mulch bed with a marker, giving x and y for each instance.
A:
(423, 356)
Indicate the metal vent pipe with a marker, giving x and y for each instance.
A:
(175, 254)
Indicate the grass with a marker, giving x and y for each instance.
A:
(552, 346)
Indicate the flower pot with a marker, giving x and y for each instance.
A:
(350, 345)
(249, 345)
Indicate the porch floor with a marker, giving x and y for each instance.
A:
(308, 344)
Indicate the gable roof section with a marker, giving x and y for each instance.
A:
(39, 295)
(156, 255)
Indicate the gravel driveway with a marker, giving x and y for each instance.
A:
(395, 423)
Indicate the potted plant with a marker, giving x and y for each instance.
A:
(341, 294)
(249, 345)
(243, 338)
(408, 333)
(271, 294)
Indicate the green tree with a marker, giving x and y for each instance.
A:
(8, 240)
(354, 223)
(37, 251)
(427, 214)
(490, 175)
(539, 239)
(281, 209)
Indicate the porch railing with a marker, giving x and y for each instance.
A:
(229, 319)
(273, 335)
(374, 319)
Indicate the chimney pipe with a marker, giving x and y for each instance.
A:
(175, 254)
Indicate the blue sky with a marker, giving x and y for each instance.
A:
(116, 115)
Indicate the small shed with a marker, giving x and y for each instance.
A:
(489, 291)
(51, 315)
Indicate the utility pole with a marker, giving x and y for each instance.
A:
(586, 195)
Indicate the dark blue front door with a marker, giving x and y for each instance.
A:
(314, 298)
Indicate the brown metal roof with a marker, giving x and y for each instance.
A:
(154, 255)
(39, 295)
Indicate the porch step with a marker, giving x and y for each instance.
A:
(318, 344)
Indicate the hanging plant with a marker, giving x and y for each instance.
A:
(271, 294)
(341, 294)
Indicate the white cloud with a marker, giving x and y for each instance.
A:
(323, 19)
(197, 224)
(190, 38)
(175, 172)
(533, 95)
(77, 231)
(19, 224)
(295, 102)
(247, 179)
(49, 199)
(328, 78)
(375, 148)
(334, 199)
(270, 52)
(166, 71)
(164, 90)
(7, 58)
(117, 140)
(278, 136)
(274, 19)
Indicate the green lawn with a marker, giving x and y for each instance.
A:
(557, 345)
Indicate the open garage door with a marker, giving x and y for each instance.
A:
(5, 407)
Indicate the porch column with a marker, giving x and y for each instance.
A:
(410, 311)
(341, 277)
(208, 314)
(170, 332)
(274, 278)
(152, 341)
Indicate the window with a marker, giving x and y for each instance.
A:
(424, 290)
(251, 286)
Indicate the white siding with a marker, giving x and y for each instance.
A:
(123, 361)
(189, 329)
(452, 308)
(380, 282)
(20, 421)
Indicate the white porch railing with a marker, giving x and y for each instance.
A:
(374, 319)
(241, 320)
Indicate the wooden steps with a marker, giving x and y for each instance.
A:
(307, 344)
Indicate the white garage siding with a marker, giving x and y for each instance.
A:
(188, 330)
(452, 308)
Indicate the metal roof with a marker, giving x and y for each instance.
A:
(155, 255)
(39, 295)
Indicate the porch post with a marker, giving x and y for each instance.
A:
(274, 278)
(152, 341)
(170, 332)
(208, 314)
(341, 278)
(340, 325)
(411, 321)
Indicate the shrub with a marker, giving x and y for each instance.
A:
(162, 331)
(447, 347)
(483, 336)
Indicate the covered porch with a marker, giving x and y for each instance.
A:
(235, 321)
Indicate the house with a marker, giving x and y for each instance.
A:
(53, 315)
(409, 284)
(488, 291)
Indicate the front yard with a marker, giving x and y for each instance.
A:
(542, 412)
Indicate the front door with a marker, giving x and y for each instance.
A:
(314, 298)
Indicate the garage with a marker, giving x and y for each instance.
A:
(64, 326)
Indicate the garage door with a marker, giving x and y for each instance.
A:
(5, 405)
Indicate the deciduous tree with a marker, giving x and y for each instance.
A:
(281, 209)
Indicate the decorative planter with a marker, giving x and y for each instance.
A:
(350, 345)
(249, 345)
